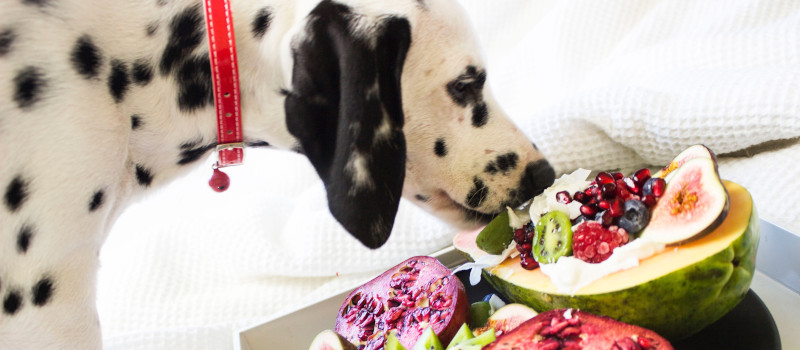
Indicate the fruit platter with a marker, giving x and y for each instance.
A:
(649, 260)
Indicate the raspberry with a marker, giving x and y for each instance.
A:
(593, 243)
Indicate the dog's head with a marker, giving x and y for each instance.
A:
(394, 101)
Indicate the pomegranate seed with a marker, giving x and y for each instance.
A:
(605, 218)
(640, 176)
(528, 262)
(580, 197)
(609, 190)
(570, 331)
(588, 210)
(604, 204)
(644, 342)
(659, 185)
(631, 184)
(616, 208)
(617, 176)
(563, 197)
(604, 178)
(649, 200)
(519, 235)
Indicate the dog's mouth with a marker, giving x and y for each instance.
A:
(468, 215)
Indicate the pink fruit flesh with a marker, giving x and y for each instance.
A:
(409, 297)
(573, 329)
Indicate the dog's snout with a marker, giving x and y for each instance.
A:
(538, 175)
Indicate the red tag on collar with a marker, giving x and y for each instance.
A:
(225, 76)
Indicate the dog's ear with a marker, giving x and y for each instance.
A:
(345, 108)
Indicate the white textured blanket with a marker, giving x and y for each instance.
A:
(597, 84)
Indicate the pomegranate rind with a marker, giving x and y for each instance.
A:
(676, 293)
(378, 289)
(595, 332)
(694, 203)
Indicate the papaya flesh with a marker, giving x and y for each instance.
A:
(676, 292)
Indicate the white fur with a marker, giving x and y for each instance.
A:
(78, 140)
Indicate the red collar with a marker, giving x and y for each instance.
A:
(227, 102)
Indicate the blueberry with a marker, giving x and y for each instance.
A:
(635, 218)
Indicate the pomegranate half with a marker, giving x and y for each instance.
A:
(417, 293)
(573, 329)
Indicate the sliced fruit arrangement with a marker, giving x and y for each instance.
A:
(522, 329)
(573, 329)
(415, 295)
(709, 228)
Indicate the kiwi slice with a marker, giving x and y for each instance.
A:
(552, 238)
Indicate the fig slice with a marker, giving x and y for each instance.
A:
(573, 329)
(416, 294)
(507, 318)
(694, 203)
(330, 340)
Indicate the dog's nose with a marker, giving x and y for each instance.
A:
(538, 175)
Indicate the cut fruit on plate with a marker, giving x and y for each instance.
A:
(676, 292)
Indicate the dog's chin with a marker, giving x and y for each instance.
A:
(457, 214)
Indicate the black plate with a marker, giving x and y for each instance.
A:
(748, 326)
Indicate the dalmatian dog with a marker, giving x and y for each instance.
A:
(101, 101)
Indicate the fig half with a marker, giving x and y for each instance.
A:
(695, 202)
(416, 294)
(330, 340)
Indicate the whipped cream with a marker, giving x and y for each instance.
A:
(570, 274)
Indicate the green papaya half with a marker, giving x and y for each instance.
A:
(676, 292)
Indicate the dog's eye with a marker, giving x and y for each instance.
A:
(460, 86)
(466, 88)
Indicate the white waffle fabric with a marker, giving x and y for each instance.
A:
(596, 84)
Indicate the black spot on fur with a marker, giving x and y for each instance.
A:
(42, 291)
(142, 72)
(467, 88)
(97, 200)
(440, 148)
(118, 80)
(477, 195)
(258, 144)
(143, 175)
(261, 22)
(491, 168)
(190, 152)
(28, 86)
(480, 115)
(12, 303)
(422, 197)
(39, 3)
(6, 39)
(187, 31)
(151, 28)
(136, 121)
(24, 239)
(506, 162)
(86, 57)
(194, 84)
(16, 193)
